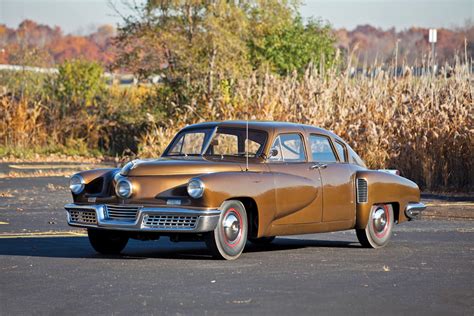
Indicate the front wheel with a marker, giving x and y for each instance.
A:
(378, 231)
(107, 242)
(228, 239)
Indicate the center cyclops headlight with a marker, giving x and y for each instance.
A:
(195, 188)
(77, 184)
(124, 188)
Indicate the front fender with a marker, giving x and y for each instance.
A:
(97, 183)
(259, 186)
(384, 187)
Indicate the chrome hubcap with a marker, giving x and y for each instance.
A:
(231, 227)
(380, 219)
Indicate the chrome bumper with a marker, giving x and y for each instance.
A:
(152, 219)
(414, 210)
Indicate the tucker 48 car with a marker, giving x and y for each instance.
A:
(230, 182)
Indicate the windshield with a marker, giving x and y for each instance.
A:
(220, 142)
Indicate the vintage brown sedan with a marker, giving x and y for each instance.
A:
(230, 182)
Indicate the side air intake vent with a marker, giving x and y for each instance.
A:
(361, 191)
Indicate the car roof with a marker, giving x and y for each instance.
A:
(269, 126)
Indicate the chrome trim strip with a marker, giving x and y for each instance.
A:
(206, 222)
(413, 210)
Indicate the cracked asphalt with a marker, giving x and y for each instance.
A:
(48, 268)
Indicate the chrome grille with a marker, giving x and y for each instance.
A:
(170, 221)
(361, 191)
(122, 212)
(83, 216)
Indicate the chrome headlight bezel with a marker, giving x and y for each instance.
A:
(124, 188)
(117, 176)
(128, 166)
(195, 188)
(77, 184)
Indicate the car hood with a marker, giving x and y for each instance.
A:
(166, 166)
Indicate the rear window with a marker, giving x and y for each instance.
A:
(354, 158)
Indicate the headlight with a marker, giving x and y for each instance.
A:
(195, 188)
(76, 184)
(124, 188)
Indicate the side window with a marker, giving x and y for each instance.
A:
(321, 149)
(341, 150)
(290, 148)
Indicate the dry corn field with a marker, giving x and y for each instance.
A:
(422, 126)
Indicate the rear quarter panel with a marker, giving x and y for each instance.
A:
(386, 188)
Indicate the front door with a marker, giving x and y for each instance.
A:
(298, 190)
(337, 179)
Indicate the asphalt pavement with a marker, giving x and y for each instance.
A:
(48, 268)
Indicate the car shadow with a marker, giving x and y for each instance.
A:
(79, 247)
(283, 243)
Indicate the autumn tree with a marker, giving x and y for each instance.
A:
(294, 46)
(75, 99)
(217, 40)
(186, 40)
(34, 44)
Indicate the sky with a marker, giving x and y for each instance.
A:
(83, 16)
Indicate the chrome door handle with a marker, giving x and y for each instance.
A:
(319, 165)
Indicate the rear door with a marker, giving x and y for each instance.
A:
(337, 176)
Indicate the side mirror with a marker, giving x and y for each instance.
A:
(273, 152)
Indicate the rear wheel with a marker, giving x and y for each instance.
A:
(262, 240)
(228, 239)
(107, 242)
(378, 231)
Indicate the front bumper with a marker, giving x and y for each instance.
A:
(413, 210)
(142, 218)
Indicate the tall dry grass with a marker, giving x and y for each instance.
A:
(422, 126)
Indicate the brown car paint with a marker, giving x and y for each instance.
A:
(290, 198)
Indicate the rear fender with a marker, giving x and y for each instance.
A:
(385, 188)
